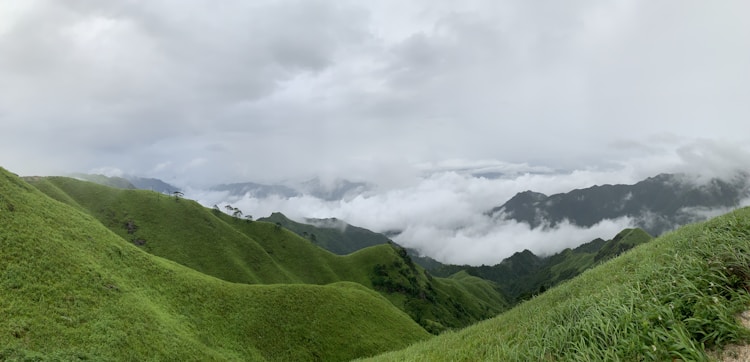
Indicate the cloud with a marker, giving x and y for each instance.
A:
(443, 215)
(488, 243)
(414, 97)
(288, 89)
(441, 211)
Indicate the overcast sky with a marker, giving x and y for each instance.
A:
(408, 95)
(204, 91)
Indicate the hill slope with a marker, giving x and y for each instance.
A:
(71, 289)
(239, 251)
(668, 299)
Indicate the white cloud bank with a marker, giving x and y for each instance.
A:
(442, 214)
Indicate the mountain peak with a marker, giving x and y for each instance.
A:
(656, 204)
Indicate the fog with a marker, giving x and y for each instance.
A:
(443, 213)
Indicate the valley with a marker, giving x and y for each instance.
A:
(227, 287)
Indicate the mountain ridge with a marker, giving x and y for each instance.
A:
(656, 204)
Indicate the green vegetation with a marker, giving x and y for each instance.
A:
(524, 274)
(232, 249)
(70, 289)
(670, 299)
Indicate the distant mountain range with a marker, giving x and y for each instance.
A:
(336, 190)
(657, 204)
(256, 190)
(128, 182)
(330, 191)
(331, 234)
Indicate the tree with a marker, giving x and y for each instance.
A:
(177, 195)
(277, 226)
(229, 208)
(249, 218)
(237, 213)
(216, 209)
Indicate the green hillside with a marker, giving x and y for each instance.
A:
(670, 299)
(70, 289)
(241, 251)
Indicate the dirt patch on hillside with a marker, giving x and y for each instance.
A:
(734, 352)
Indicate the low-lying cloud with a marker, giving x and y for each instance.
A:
(443, 213)
(443, 216)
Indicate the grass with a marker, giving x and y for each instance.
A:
(673, 298)
(71, 289)
(239, 251)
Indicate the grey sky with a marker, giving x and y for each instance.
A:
(206, 91)
(404, 94)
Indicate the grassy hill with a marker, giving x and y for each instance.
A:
(673, 298)
(70, 289)
(236, 250)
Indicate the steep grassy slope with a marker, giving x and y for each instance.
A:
(71, 289)
(236, 250)
(669, 299)
(177, 229)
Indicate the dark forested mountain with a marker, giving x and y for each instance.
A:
(657, 204)
(524, 273)
(331, 234)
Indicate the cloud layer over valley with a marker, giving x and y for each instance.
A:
(444, 213)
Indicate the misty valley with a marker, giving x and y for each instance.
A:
(99, 267)
(323, 180)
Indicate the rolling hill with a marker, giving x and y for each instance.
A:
(241, 251)
(71, 289)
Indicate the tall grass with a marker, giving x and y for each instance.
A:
(671, 299)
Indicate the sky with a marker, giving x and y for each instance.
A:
(396, 93)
